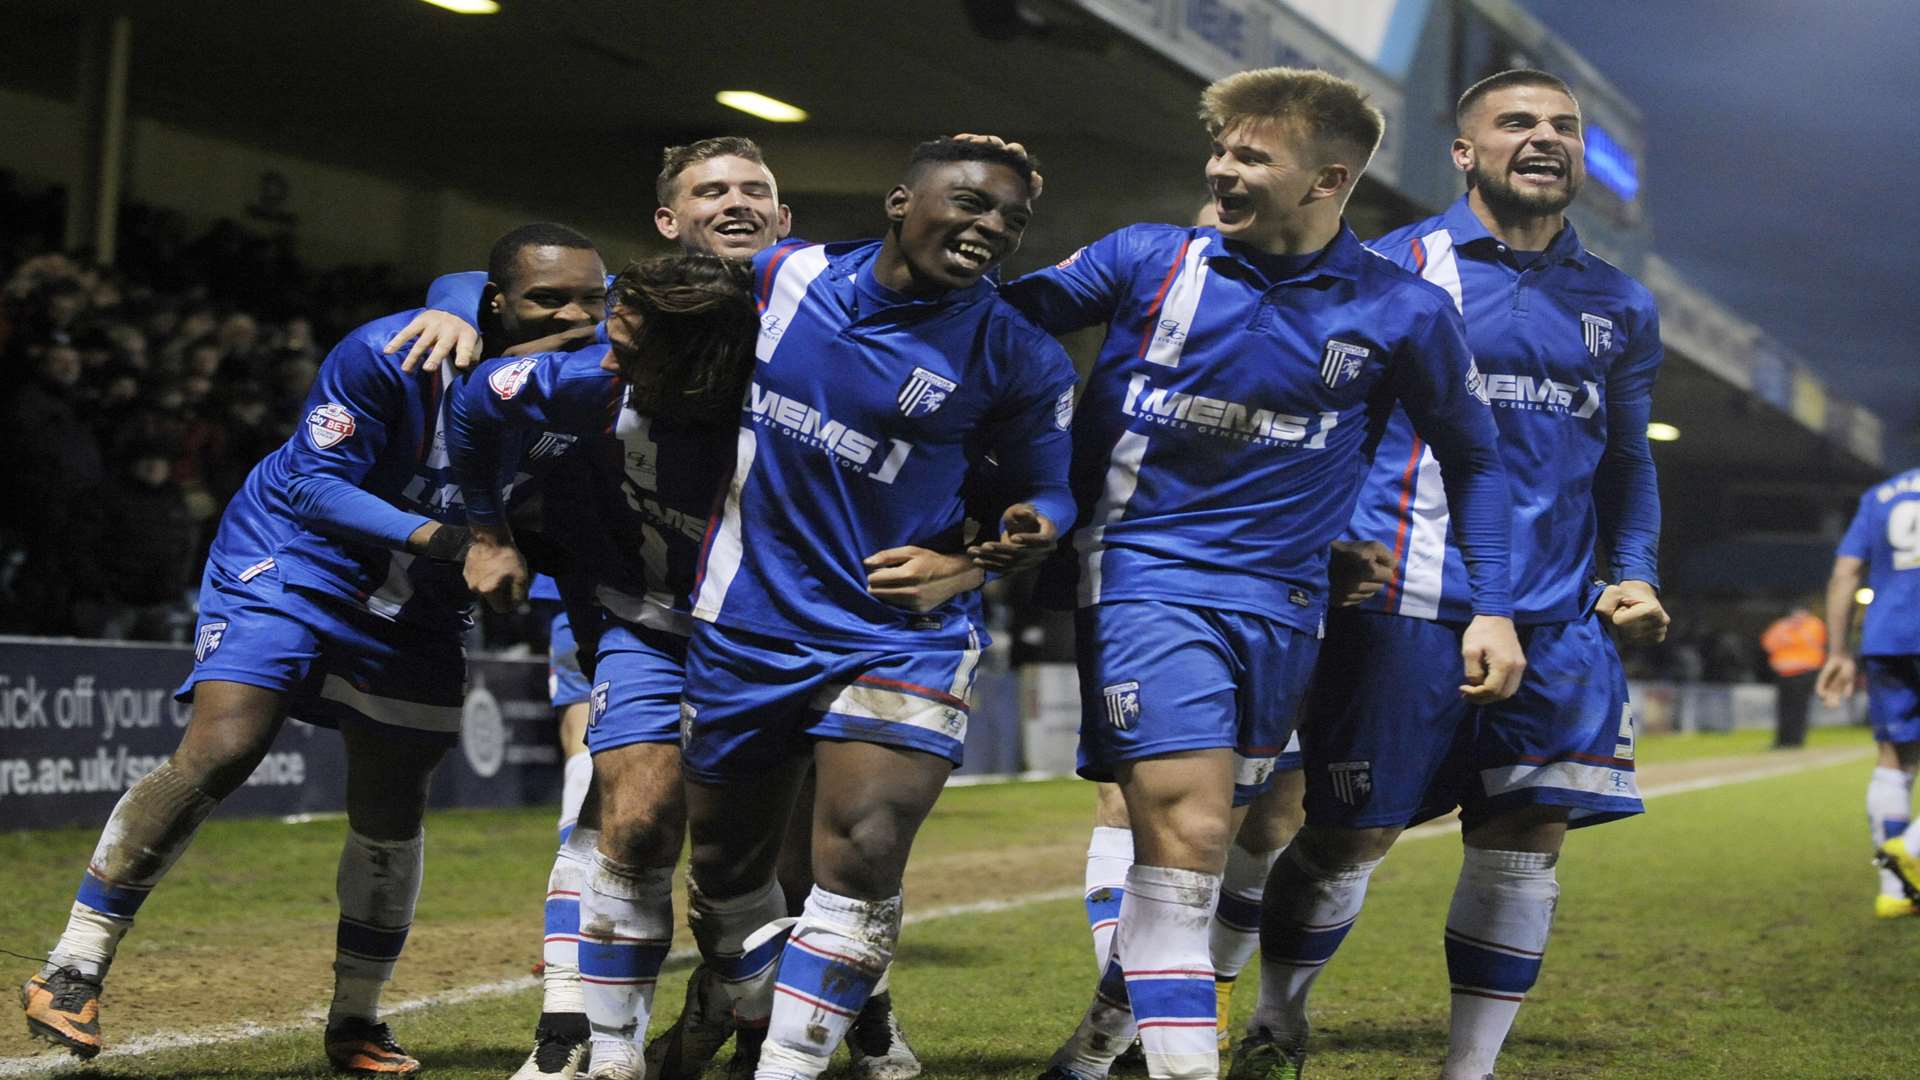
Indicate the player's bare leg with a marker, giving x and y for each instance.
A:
(231, 728)
(1896, 840)
(1105, 1039)
(876, 1042)
(626, 905)
(869, 805)
(735, 830)
(1181, 809)
(381, 865)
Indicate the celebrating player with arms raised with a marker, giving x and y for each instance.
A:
(1246, 372)
(1567, 348)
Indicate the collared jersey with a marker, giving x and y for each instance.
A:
(1885, 533)
(639, 511)
(331, 509)
(862, 422)
(1226, 425)
(1567, 347)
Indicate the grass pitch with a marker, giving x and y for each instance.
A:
(1727, 933)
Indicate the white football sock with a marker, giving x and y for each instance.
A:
(149, 828)
(560, 949)
(626, 925)
(1307, 911)
(1109, 854)
(1163, 953)
(576, 777)
(1496, 938)
(1889, 810)
(836, 954)
(379, 882)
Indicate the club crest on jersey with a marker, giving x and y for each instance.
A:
(1352, 781)
(1063, 409)
(1341, 362)
(507, 381)
(923, 392)
(328, 424)
(1123, 704)
(597, 703)
(1598, 333)
(211, 635)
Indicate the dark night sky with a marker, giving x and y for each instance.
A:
(1783, 148)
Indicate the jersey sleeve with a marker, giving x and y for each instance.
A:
(1858, 541)
(1438, 384)
(1084, 289)
(1626, 489)
(344, 432)
(506, 398)
(1031, 449)
(458, 294)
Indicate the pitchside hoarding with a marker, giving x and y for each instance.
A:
(80, 721)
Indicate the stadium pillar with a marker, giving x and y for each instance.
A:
(93, 211)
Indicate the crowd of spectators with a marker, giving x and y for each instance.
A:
(138, 395)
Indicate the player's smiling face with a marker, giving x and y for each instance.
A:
(725, 206)
(553, 289)
(957, 221)
(1522, 150)
(1261, 175)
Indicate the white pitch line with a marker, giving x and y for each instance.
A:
(47, 1064)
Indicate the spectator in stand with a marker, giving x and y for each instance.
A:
(1796, 646)
(54, 459)
(138, 540)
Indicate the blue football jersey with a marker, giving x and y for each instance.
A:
(635, 520)
(332, 509)
(1567, 347)
(1885, 533)
(1231, 414)
(865, 415)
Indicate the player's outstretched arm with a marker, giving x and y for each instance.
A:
(920, 579)
(1357, 570)
(1839, 676)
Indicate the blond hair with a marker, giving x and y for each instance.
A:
(1326, 108)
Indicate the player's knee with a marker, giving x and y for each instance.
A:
(862, 855)
(1346, 847)
(219, 755)
(1188, 837)
(643, 833)
(1270, 827)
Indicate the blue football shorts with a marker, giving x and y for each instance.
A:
(566, 683)
(334, 662)
(637, 674)
(1157, 678)
(1893, 697)
(1389, 741)
(754, 702)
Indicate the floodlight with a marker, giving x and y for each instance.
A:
(762, 106)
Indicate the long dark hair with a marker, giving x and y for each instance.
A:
(694, 353)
